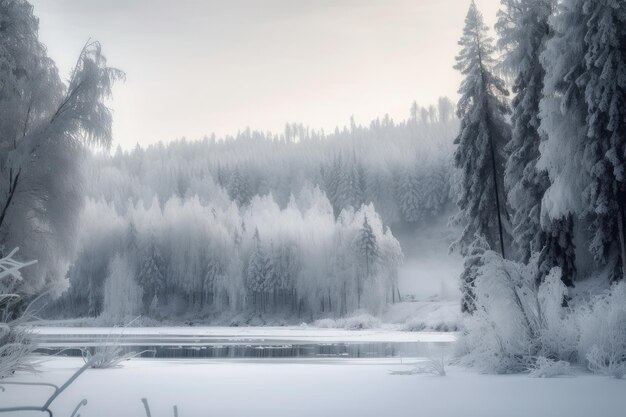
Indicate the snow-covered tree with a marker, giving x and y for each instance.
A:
(239, 189)
(16, 346)
(257, 271)
(122, 295)
(410, 195)
(369, 254)
(484, 132)
(524, 30)
(584, 122)
(604, 81)
(471, 265)
(43, 125)
(151, 276)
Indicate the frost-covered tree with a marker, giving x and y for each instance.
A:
(257, 271)
(584, 122)
(410, 196)
(604, 81)
(122, 295)
(239, 189)
(151, 276)
(43, 125)
(524, 30)
(369, 254)
(484, 132)
(471, 265)
(445, 108)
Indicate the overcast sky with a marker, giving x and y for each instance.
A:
(194, 67)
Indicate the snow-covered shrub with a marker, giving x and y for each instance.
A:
(419, 325)
(15, 342)
(326, 324)
(558, 330)
(548, 368)
(603, 332)
(361, 321)
(516, 321)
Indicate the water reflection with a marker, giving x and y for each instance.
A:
(283, 350)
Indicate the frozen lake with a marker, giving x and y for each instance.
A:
(245, 343)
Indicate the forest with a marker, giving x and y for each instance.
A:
(292, 225)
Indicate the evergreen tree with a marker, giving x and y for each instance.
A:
(445, 108)
(604, 78)
(472, 263)
(239, 190)
(350, 186)
(524, 30)
(214, 271)
(410, 195)
(369, 253)
(484, 132)
(563, 112)
(257, 270)
(151, 275)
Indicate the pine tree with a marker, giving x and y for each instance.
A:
(563, 112)
(369, 253)
(257, 270)
(524, 30)
(331, 177)
(350, 186)
(604, 78)
(410, 195)
(214, 271)
(484, 133)
(471, 265)
(151, 275)
(239, 190)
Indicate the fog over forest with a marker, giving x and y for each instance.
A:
(300, 223)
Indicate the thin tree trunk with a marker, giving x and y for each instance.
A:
(495, 186)
(622, 237)
(13, 181)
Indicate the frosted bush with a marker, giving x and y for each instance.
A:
(499, 335)
(548, 368)
(327, 324)
(361, 321)
(558, 330)
(419, 325)
(603, 332)
(16, 345)
(516, 321)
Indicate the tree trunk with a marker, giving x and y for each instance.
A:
(622, 237)
(495, 186)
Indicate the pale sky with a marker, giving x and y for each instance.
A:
(195, 67)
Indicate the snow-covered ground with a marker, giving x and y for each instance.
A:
(315, 388)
